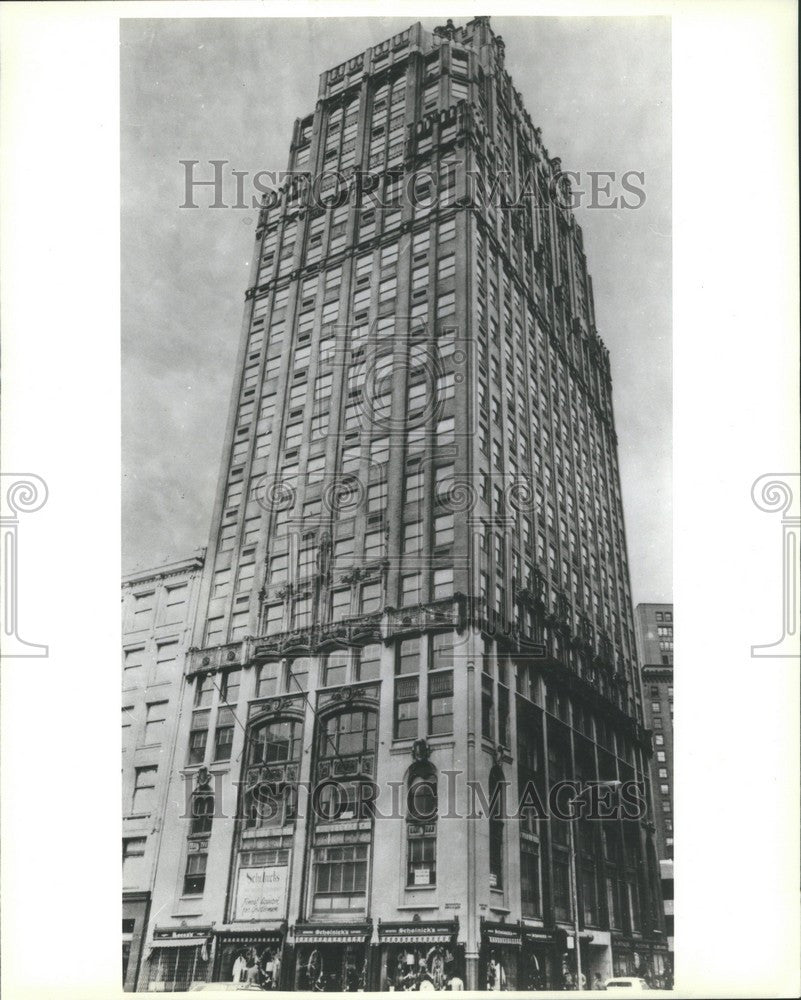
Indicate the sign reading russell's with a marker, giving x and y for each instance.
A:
(261, 893)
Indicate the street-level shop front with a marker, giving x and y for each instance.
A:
(135, 907)
(332, 957)
(539, 967)
(252, 956)
(418, 952)
(499, 957)
(647, 960)
(180, 958)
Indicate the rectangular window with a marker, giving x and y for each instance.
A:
(445, 431)
(133, 668)
(376, 497)
(144, 796)
(154, 721)
(278, 568)
(443, 583)
(487, 713)
(412, 537)
(408, 657)
(336, 668)
(421, 855)
(133, 851)
(224, 734)
(410, 589)
(340, 877)
(343, 552)
(530, 879)
(273, 619)
(340, 604)
(175, 604)
(379, 450)
(373, 545)
(368, 663)
(198, 737)
(298, 675)
(406, 707)
(440, 703)
(371, 597)
(269, 680)
(195, 877)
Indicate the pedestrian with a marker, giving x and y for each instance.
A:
(598, 983)
(239, 971)
(496, 976)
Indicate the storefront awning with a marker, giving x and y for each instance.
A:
(185, 942)
(255, 938)
(177, 937)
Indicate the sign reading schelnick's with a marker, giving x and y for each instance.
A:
(261, 893)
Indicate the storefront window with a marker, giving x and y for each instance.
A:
(409, 966)
(176, 969)
(329, 968)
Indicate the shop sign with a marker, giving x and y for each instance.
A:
(261, 893)
(190, 935)
(331, 935)
(499, 935)
(435, 933)
(422, 876)
(532, 935)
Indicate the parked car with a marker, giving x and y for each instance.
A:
(626, 984)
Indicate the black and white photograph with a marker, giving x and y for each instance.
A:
(389, 397)
(402, 718)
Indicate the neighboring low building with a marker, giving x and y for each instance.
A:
(158, 610)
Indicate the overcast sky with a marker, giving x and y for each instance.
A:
(204, 89)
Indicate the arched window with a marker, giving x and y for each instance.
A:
(421, 826)
(202, 813)
(270, 793)
(496, 827)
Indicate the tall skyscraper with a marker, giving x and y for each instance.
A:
(417, 582)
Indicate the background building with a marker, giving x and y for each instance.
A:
(158, 607)
(417, 575)
(655, 632)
